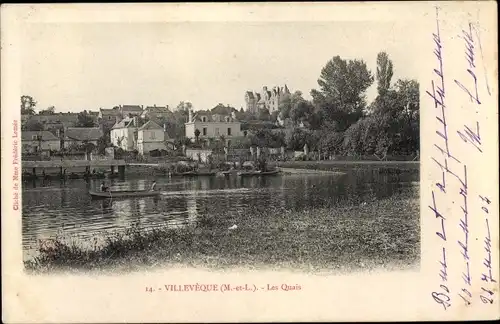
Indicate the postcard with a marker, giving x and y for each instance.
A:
(249, 162)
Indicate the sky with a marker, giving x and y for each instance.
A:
(87, 66)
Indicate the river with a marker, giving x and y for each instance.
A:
(66, 209)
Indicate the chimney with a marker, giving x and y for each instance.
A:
(165, 128)
(190, 116)
(154, 105)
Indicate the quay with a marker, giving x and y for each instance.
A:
(67, 164)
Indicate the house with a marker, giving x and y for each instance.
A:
(150, 136)
(124, 134)
(76, 136)
(130, 110)
(212, 125)
(156, 113)
(109, 117)
(55, 121)
(39, 141)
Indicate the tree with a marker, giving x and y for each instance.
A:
(285, 106)
(408, 95)
(102, 143)
(342, 90)
(197, 134)
(330, 140)
(86, 147)
(49, 111)
(301, 111)
(28, 105)
(299, 137)
(287, 103)
(264, 115)
(84, 120)
(267, 138)
(176, 126)
(184, 106)
(33, 125)
(384, 73)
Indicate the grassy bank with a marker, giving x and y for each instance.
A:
(382, 166)
(366, 236)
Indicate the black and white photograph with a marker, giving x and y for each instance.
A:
(211, 144)
(268, 145)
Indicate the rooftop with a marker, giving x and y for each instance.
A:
(46, 135)
(124, 123)
(150, 125)
(131, 107)
(83, 133)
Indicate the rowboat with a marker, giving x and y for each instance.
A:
(123, 194)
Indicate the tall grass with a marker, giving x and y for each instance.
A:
(369, 235)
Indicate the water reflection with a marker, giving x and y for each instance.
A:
(66, 207)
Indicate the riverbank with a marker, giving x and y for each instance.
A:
(370, 235)
(333, 163)
(341, 166)
(309, 171)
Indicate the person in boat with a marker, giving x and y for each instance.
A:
(103, 187)
(153, 186)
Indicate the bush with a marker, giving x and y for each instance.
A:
(182, 167)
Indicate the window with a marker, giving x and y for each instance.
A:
(109, 117)
(217, 132)
(204, 131)
(34, 137)
(203, 119)
(227, 119)
(229, 131)
(153, 135)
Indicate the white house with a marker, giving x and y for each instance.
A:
(124, 134)
(39, 141)
(212, 125)
(150, 136)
